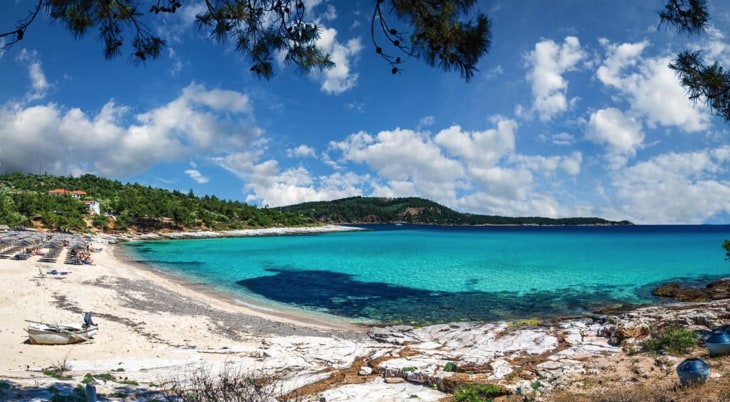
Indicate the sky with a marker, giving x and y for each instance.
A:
(573, 112)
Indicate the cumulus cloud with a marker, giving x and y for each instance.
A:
(650, 86)
(482, 148)
(405, 155)
(688, 187)
(266, 183)
(113, 142)
(302, 151)
(340, 78)
(548, 62)
(479, 171)
(550, 165)
(621, 134)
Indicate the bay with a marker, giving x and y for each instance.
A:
(429, 274)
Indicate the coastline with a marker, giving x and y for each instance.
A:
(154, 327)
(274, 231)
(246, 306)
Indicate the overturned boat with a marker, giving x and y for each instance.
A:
(40, 333)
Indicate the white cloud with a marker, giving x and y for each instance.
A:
(63, 141)
(548, 62)
(717, 48)
(268, 185)
(340, 78)
(549, 165)
(621, 134)
(39, 83)
(480, 149)
(302, 151)
(405, 155)
(426, 121)
(559, 138)
(197, 176)
(330, 14)
(537, 205)
(406, 162)
(650, 86)
(688, 187)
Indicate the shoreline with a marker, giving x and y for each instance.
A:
(155, 327)
(248, 306)
(273, 231)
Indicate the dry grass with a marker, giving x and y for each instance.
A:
(717, 389)
(652, 385)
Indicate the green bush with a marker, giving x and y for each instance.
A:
(674, 339)
(478, 392)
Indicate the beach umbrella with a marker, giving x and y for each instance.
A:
(55, 242)
(25, 242)
(77, 245)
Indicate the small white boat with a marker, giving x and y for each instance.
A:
(40, 333)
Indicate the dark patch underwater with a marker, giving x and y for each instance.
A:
(340, 294)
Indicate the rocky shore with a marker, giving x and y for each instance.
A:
(716, 290)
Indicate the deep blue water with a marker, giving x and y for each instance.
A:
(428, 274)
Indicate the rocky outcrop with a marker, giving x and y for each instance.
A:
(532, 359)
(714, 291)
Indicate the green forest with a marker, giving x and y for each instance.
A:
(25, 202)
(417, 210)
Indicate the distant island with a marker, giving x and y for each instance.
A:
(91, 203)
(370, 210)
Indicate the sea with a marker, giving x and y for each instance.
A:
(422, 274)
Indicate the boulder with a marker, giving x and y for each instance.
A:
(714, 291)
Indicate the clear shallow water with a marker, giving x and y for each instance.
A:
(426, 274)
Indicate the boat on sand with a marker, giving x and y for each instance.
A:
(40, 333)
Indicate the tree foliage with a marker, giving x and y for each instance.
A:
(441, 33)
(24, 201)
(416, 210)
(704, 82)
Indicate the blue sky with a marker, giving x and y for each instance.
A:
(574, 112)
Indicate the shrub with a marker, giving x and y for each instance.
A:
(478, 392)
(232, 384)
(57, 371)
(674, 339)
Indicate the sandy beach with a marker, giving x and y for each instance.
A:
(151, 326)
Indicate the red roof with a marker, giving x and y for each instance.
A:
(64, 191)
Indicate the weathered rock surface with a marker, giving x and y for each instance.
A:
(714, 291)
(533, 359)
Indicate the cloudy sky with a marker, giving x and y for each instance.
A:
(574, 112)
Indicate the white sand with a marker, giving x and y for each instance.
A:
(152, 327)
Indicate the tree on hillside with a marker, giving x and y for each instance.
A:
(439, 32)
(706, 83)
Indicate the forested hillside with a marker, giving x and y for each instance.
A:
(25, 201)
(417, 210)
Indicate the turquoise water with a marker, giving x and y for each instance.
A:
(427, 274)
